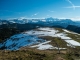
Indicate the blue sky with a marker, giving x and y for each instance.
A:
(39, 9)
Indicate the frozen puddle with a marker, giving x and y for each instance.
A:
(45, 46)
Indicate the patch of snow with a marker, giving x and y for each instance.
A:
(62, 36)
(70, 32)
(45, 32)
(12, 21)
(53, 33)
(31, 37)
(20, 40)
(43, 20)
(45, 46)
(72, 42)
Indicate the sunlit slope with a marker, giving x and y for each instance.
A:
(43, 38)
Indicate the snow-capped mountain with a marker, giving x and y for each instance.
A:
(47, 21)
(51, 22)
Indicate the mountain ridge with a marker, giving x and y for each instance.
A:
(50, 22)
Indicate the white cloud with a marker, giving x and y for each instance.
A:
(70, 2)
(20, 18)
(6, 10)
(50, 11)
(77, 18)
(35, 14)
(11, 18)
(73, 6)
(47, 15)
(24, 17)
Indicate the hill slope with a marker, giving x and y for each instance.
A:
(42, 37)
(42, 44)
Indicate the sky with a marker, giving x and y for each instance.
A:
(40, 9)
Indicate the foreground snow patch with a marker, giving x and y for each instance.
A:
(72, 42)
(62, 36)
(54, 33)
(20, 40)
(45, 46)
(70, 32)
(31, 37)
(43, 32)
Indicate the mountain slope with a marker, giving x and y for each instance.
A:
(42, 36)
(42, 44)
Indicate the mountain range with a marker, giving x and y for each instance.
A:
(51, 22)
